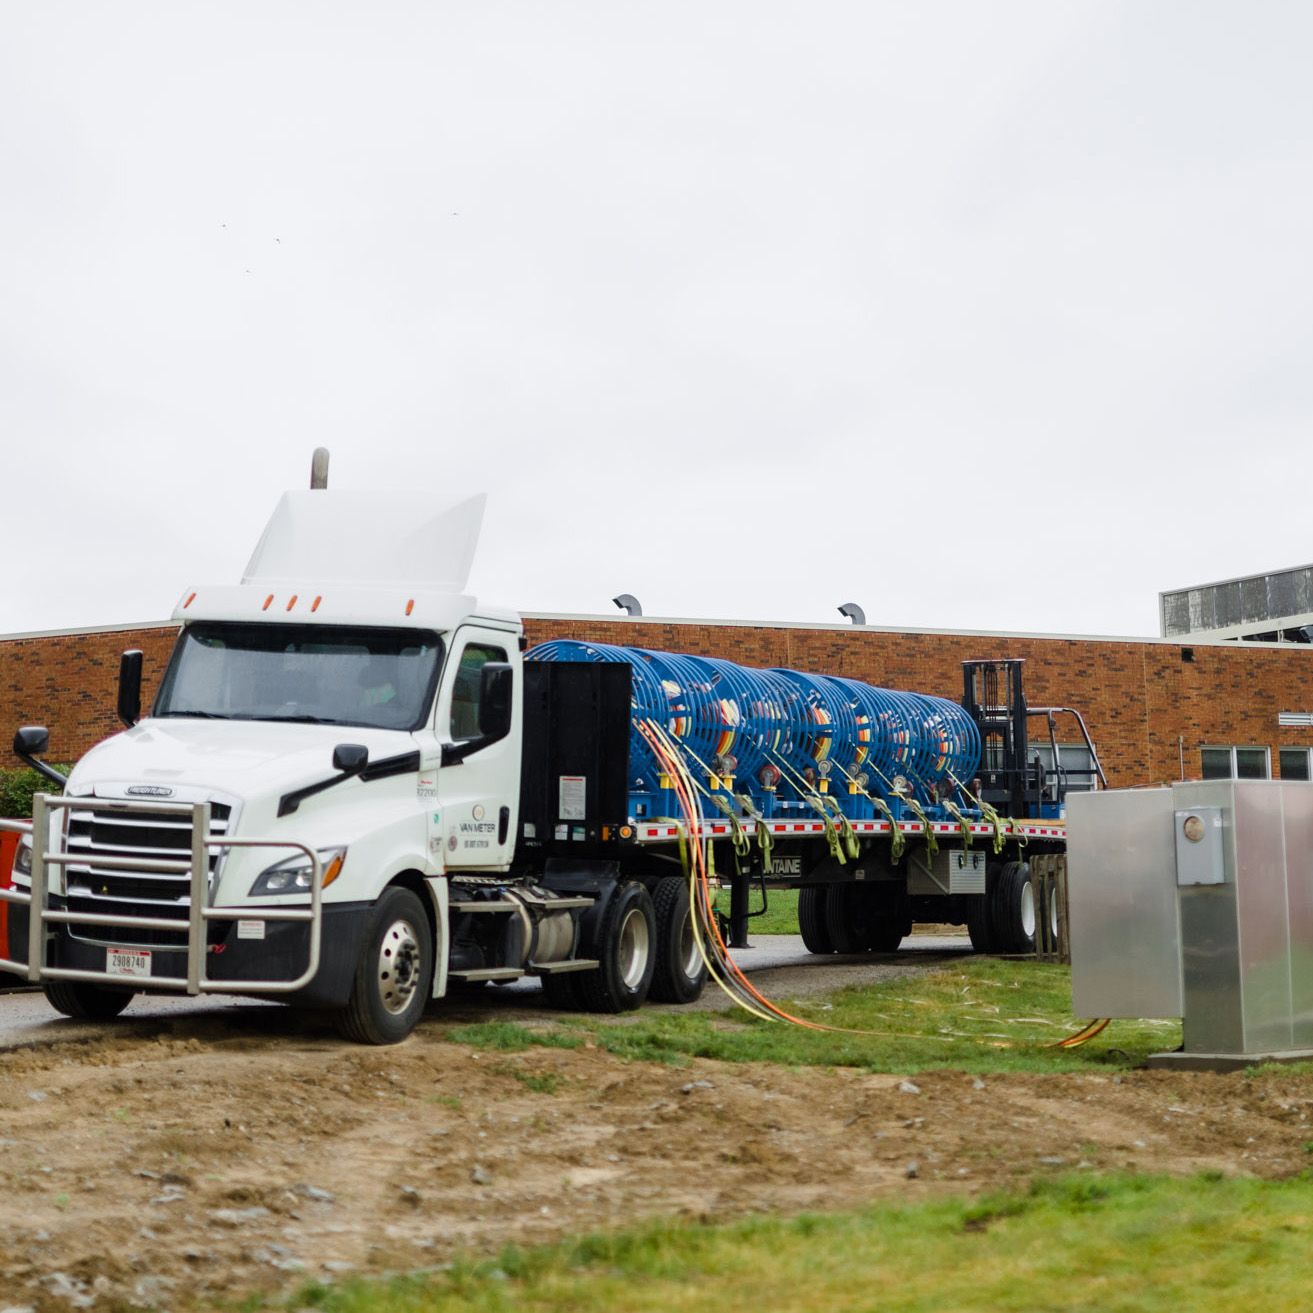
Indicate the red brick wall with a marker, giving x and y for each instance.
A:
(69, 683)
(1136, 697)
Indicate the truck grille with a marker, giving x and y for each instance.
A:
(155, 836)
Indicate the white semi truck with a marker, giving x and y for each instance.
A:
(353, 793)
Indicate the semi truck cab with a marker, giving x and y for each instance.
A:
(322, 803)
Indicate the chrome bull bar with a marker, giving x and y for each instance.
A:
(199, 912)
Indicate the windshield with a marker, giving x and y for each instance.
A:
(382, 678)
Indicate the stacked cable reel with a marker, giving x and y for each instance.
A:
(779, 743)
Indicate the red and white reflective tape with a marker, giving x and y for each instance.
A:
(716, 829)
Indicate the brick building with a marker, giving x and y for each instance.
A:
(1157, 709)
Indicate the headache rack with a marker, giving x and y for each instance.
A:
(197, 867)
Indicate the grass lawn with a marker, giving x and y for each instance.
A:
(981, 1016)
(1107, 1243)
(781, 914)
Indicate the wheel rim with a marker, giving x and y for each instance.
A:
(1027, 910)
(690, 958)
(399, 960)
(632, 952)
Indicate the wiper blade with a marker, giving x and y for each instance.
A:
(300, 720)
(198, 715)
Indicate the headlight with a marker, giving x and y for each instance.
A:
(23, 857)
(293, 875)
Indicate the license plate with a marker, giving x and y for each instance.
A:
(120, 962)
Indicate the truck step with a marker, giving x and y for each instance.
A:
(484, 905)
(487, 973)
(559, 968)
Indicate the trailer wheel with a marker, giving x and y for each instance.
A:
(978, 922)
(85, 1001)
(1012, 910)
(811, 919)
(846, 922)
(394, 976)
(888, 931)
(679, 972)
(624, 945)
(880, 918)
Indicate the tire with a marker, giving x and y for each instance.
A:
(562, 991)
(625, 945)
(679, 973)
(811, 919)
(845, 918)
(85, 1001)
(1012, 910)
(979, 925)
(888, 932)
(880, 920)
(394, 976)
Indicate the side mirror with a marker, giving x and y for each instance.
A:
(28, 743)
(496, 680)
(130, 687)
(31, 740)
(350, 758)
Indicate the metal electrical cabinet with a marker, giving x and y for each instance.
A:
(1197, 902)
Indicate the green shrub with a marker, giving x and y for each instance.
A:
(17, 785)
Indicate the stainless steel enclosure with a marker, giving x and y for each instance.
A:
(1121, 904)
(1197, 901)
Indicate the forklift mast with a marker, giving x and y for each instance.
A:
(993, 697)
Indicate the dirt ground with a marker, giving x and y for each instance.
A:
(213, 1160)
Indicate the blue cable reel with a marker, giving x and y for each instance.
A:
(781, 737)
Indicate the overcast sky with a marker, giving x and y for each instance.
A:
(982, 315)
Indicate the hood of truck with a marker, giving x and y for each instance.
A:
(245, 758)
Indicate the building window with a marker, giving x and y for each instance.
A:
(1294, 764)
(1235, 763)
(1077, 764)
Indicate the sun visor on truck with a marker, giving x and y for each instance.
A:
(372, 538)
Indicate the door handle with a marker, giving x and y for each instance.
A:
(503, 824)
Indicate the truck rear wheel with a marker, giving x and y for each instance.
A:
(562, 991)
(624, 946)
(1012, 910)
(679, 972)
(394, 976)
(811, 919)
(85, 1001)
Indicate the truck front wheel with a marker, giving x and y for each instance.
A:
(394, 976)
(680, 973)
(624, 947)
(85, 1001)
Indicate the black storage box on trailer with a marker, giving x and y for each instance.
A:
(574, 779)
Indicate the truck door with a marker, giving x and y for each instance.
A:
(478, 796)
